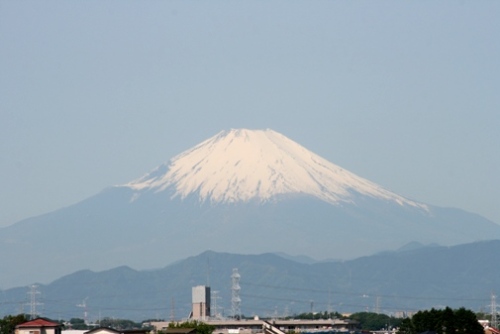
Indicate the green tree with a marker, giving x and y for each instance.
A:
(319, 315)
(427, 321)
(201, 327)
(445, 321)
(465, 322)
(8, 323)
(77, 323)
(119, 323)
(406, 327)
(374, 321)
(448, 320)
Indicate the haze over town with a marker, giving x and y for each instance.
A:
(94, 94)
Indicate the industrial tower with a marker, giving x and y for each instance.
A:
(201, 302)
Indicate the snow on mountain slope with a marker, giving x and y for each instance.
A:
(241, 165)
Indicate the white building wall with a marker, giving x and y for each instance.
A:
(35, 331)
(201, 302)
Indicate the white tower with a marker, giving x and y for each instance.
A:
(235, 298)
(33, 302)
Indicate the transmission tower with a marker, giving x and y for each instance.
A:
(33, 303)
(235, 297)
(377, 305)
(494, 313)
(329, 307)
(215, 308)
(85, 313)
(172, 309)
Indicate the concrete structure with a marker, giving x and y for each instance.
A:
(201, 302)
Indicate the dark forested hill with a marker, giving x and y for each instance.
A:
(404, 280)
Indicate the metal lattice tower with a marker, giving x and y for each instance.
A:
(85, 313)
(235, 296)
(172, 309)
(494, 313)
(33, 303)
(216, 314)
(377, 305)
(329, 309)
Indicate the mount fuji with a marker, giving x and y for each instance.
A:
(241, 191)
(243, 165)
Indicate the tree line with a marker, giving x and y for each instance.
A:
(447, 321)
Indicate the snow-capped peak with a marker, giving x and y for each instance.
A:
(241, 165)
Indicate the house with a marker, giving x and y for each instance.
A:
(39, 326)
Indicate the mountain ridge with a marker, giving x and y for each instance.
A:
(430, 276)
(144, 228)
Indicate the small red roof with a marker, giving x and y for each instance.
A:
(38, 322)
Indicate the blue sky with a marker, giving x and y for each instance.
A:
(97, 93)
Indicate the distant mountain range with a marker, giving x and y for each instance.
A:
(400, 281)
(241, 191)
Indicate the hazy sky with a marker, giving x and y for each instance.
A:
(97, 93)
